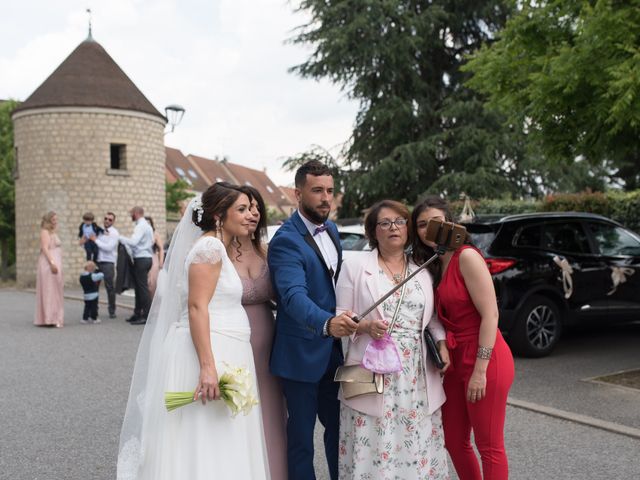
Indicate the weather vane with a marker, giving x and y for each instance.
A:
(89, 12)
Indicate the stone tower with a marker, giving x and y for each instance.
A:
(86, 140)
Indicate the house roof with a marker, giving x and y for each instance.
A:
(179, 166)
(89, 77)
(213, 170)
(260, 181)
(289, 193)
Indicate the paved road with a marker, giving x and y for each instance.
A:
(63, 394)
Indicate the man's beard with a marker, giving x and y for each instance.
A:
(312, 215)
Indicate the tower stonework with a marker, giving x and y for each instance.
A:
(86, 140)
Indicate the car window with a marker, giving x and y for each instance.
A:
(565, 237)
(613, 240)
(482, 240)
(528, 236)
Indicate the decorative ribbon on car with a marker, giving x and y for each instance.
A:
(467, 215)
(567, 280)
(619, 276)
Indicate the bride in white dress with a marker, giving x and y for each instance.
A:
(196, 329)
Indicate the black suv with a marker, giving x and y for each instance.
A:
(552, 270)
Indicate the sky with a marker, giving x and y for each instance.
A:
(224, 61)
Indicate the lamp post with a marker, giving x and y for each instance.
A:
(174, 114)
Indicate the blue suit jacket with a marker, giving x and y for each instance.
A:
(306, 300)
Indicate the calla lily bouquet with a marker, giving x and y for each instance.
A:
(235, 390)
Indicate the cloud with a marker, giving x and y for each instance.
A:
(225, 61)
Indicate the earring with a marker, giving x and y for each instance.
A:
(221, 234)
(253, 236)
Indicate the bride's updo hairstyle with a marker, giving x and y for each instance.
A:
(216, 200)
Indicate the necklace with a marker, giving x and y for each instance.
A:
(397, 277)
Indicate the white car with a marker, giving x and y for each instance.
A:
(352, 239)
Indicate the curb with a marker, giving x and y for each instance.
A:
(575, 418)
(69, 296)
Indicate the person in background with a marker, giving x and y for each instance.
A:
(249, 257)
(141, 245)
(107, 243)
(478, 380)
(49, 279)
(157, 261)
(89, 228)
(90, 282)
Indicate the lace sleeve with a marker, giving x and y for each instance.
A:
(206, 250)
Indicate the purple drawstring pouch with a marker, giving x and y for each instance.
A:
(381, 356)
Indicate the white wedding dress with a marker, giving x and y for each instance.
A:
(199, 442)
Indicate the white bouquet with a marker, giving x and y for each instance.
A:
(235, 389)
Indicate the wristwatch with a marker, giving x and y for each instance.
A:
(325, 328)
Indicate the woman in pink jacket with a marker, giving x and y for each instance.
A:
(396, 434)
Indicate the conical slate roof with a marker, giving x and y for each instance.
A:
(89, 77)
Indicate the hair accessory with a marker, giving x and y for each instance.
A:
(198, 208)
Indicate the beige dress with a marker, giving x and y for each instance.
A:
(50, 287)
(256, 294)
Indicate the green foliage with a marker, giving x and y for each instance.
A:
(176, 193)
(417, 124)
(568, 73)
(7, 189)
(505, 206)
(592, 202)
(623, 207)
(275, 216)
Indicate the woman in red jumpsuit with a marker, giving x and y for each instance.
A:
(481, 372)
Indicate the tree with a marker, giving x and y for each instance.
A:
(401, 60)
(7, 189)
(567, 72)
(176, 193)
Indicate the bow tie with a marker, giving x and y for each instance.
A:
(319, 229)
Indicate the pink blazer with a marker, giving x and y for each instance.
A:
(356, 290)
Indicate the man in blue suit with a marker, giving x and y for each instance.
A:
(304, 260)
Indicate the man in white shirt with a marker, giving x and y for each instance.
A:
(107, 243)
(141, 245)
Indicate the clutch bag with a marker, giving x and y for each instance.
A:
(357, 380)
(432, 349)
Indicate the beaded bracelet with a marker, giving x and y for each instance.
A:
(484, 353)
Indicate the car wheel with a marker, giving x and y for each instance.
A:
(537, 329)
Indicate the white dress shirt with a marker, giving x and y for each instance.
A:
(108, 245)
(141, 242)
(325, 244)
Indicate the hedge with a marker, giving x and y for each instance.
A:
(624, 207)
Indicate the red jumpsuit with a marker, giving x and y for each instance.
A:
(486, 417)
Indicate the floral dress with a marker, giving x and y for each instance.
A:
(406, 442)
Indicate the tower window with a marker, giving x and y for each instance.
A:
(118, 156)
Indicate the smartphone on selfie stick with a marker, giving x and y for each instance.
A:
(446, 236)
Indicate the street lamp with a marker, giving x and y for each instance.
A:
(174, 114)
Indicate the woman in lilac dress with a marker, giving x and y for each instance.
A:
(249, 257)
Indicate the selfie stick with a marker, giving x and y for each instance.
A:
(440, 249)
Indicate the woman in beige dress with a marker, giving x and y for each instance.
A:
(49, 280)
(248, 255)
